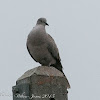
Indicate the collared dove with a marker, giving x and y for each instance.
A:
(41, 46)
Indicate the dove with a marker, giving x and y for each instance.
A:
(42, 47)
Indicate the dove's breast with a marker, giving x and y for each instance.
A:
(37, 37)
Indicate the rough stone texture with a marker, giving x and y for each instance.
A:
(42, 70)
(45, 83)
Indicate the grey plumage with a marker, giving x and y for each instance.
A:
(42, 47)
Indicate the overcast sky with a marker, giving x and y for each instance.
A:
(75, 26)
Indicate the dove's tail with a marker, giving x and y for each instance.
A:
(58, 65)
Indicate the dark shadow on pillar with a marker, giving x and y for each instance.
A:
(52, 99)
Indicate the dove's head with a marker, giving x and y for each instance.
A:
(42, 21)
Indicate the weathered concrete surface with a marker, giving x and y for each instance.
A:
(44, 83)
(42, 70)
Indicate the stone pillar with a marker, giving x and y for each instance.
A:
(41, 83)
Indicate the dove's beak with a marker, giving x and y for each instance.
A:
(47, 24)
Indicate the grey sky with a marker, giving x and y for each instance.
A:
(75, 26)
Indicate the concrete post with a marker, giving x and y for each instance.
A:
(41, 83)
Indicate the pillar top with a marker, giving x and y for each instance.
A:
(42, 70)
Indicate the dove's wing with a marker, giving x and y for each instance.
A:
(52, 48)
